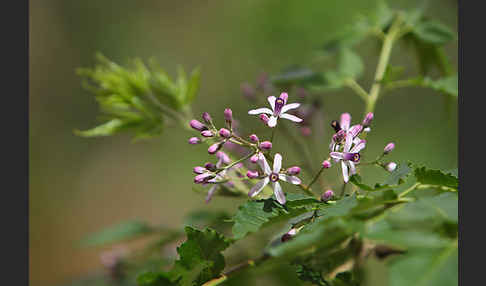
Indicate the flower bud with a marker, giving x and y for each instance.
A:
(264, 118)
(266, 145)
(207, 118)
(223, 157)
(254, 138)
(327, 195)
(355, 130)
(326, 164)
(289, 235)
(295, 170)
(390, 167)
(199, 179)
(367, 120)
(389, 147)
(197, 125)
(224, 133)
(194, 140)
(199, 170)
(214, 148)
(207, 133)
(228, 115)
(252, 174)
(367, 129)
(254, 158)
(210, 166)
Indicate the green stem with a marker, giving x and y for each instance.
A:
(351, 83)
(315, 178)
(413, 187)
(236, 162)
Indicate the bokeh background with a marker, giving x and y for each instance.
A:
(78, 186)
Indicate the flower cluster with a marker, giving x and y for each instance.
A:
(346, 144)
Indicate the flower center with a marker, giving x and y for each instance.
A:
(274, 177)
(355, 157)
(279, 103)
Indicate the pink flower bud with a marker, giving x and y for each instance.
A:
(194, 140)
(367, 120)
(206, 117)
(207, 133)
(266, 145)
(252, 174)
(390, 167)
(210, 166)
(327, 195)
(295, 170)
(254, 138)
(389, 147)
(199, 179)
(197, 125)
(228, 115)
(326, 164)
(223, 157)
(284, 96)
(289, 235)
(199, 170)
(264, 118)
(214, 148)
(254, 158)
(224, 133)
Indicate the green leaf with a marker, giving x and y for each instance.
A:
(122, 231)
(435, 177)
(192, 86)
(154, 279)
(106, 129)
(297, 75)
(307, 274)
(433, 32)
(350, 64)
(396, 178)
(252, 215)
(447, 85)
(200, 257)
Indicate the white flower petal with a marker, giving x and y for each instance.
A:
(258, 187)
(264, 164)
(290, 117)
(210, 193)
(348, 142)
(352, 168)
(271, 99)
(345, 121)
(358, 147)
(290, 106)
(290, 179)
(260, 110)
(337, 155)
(272, 122)
(345, 171)
(279, 194)
(277, 163)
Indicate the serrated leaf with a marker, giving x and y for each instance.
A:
(396, 178)
(435, 177)
(433, 32)
(200, 257)
(122, 231)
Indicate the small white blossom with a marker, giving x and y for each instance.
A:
(279, 109)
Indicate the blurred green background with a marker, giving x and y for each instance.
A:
(78, 186)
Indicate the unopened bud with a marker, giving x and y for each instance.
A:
(194, 140)
(214, 148)
(327, 195)
(254, 158)
(264, 118)
(207, 133)
(295, 170)
(254, 138)
(367, 120)
(326, 164)
(223, 157)
(210, 166)
(224, 133)
(289, 235)
(199, 179)
(199, 170)
(252, 174)
(197, 125)
(390, 167)
(266, 145)
(228, 115)
(207, 118)
(389, 147)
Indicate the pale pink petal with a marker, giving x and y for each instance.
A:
(258, 187)
(345, 171)
(290, 106)
(271, 100)
(260, 110)
(277, 163)
(349, 142)
(358, 147)
(337, 155)
(290, 179)
(279, 194)
(352, 168)
(272, 122)
(355, 129)
(345, 121)
(210, 193)
(264, 164)
(290, 117)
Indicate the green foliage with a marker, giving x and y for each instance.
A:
(436, 177)
(397, 177)
(154, 279)
(137, 99)
(120, 232)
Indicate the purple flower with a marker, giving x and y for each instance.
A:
(194, 140)
(295, 170)
(327, 195)
(279, 109)
(273, 176)
(342, 128)
(266, 145)
(349, 157)
(224, 133)
(390, 167)
(389, 147)
(254, 138)
(197, 125)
